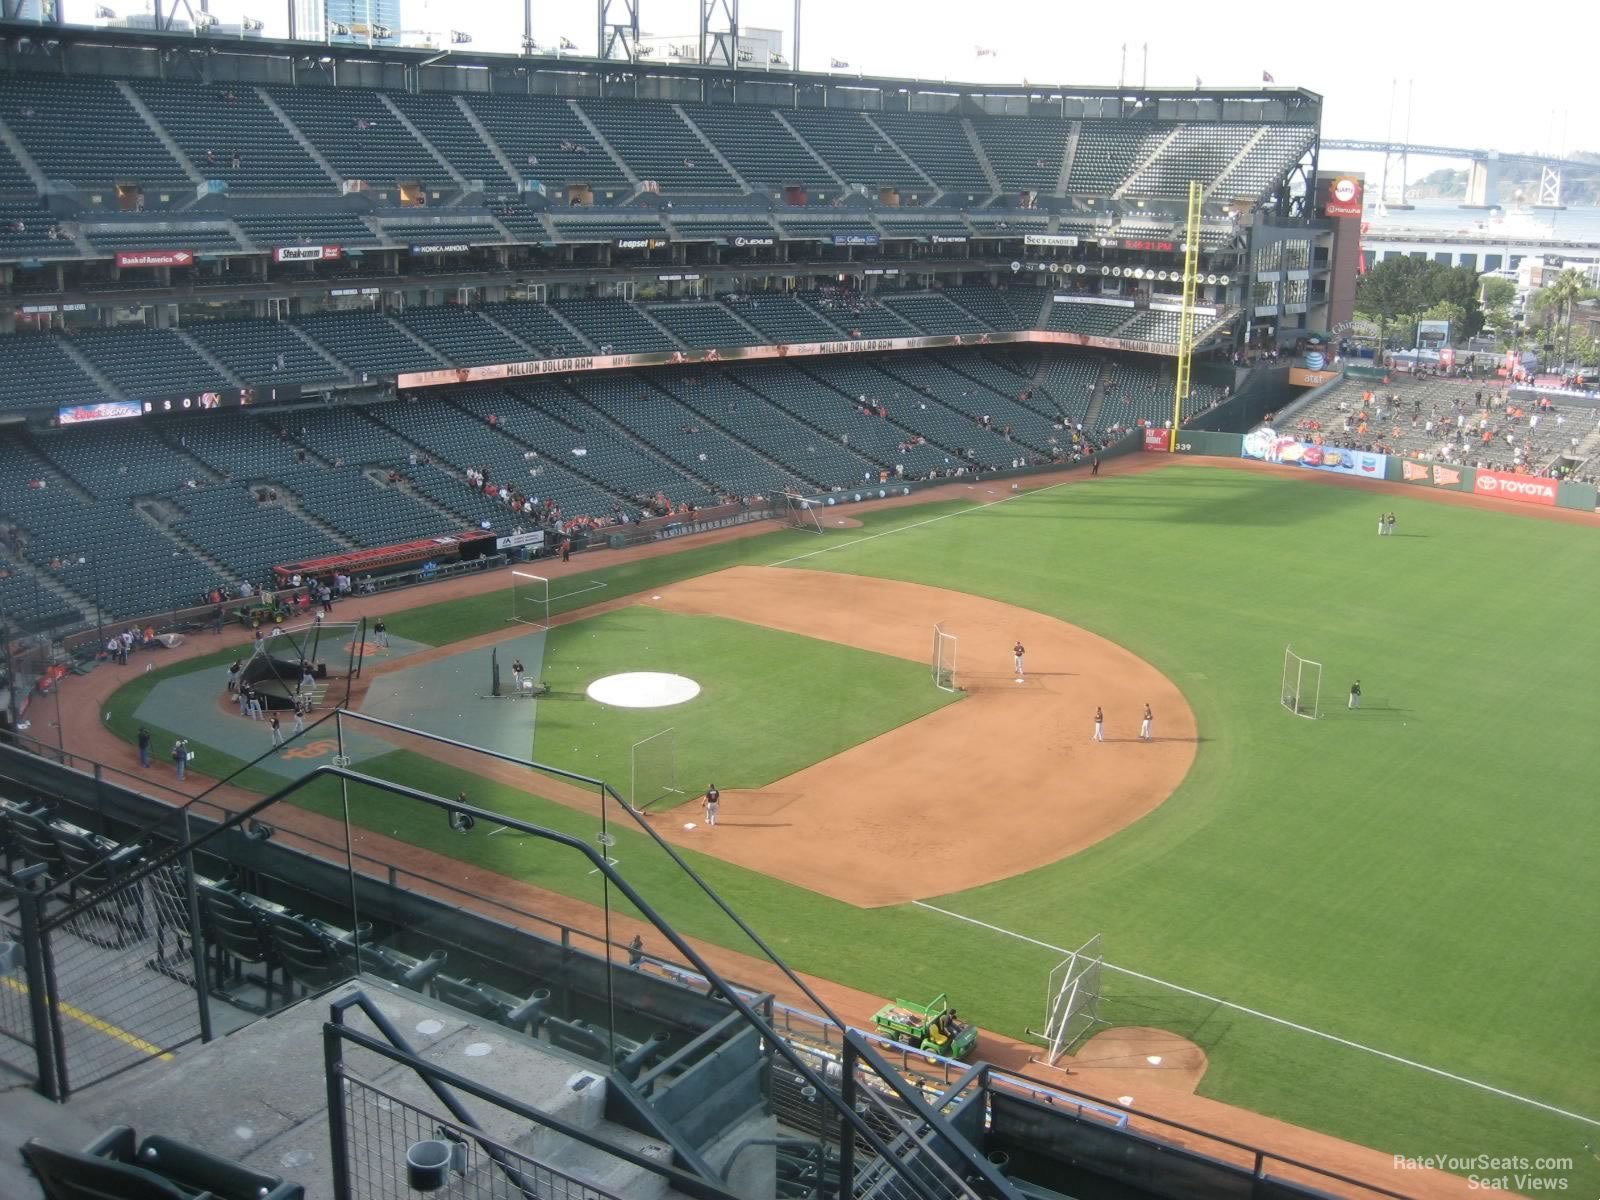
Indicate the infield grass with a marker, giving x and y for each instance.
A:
(1419, 876)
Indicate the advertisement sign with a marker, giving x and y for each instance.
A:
(949, 239)
(1305, 377)
(155, 258)
(1523, 488)
(755, 241)
(441, 248)
(110, 410)
(1433, 335)
(511, 541)
(639, 243)
(1155, 439)
(1268, 445)
(1344, 197)
(855, 239)
(307, 253)
(1049, 239)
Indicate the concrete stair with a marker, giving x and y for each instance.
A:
(478, 127)
(162, 136)
(215, 363)
(24, 159)
(299, 137)
(600, 140)
(712, 149)
(89, 369)
(459, 179)
(811, 150)
(971, 130)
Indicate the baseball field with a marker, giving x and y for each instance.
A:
(1399, 902)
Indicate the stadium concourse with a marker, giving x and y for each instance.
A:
(1157, 1068)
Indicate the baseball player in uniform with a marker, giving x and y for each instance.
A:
(1144, 725)
(1099, 724)
(516, 672)
(380, 633)
(1355, 694)
(1016, 659)
(712, 801)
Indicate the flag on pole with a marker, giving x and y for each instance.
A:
(1266, 77)
(1197, 82)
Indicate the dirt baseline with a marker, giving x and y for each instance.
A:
(1005, 781)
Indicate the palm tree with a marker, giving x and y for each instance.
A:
(1559, 297)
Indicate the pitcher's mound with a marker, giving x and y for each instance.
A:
(1131, 1057)
(643, 689)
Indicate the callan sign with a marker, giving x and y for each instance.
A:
(1344, 197)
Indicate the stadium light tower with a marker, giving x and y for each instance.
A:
(619, 38)
(719, 33)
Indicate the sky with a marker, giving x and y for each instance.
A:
(1465, 69)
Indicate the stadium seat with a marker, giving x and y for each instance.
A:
(159, 1169)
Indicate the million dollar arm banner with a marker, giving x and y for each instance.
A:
(579, 363)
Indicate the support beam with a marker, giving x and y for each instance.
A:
(794, 50)
(719, 33)
(619, 29)
(1483, 182)
(1549, 187)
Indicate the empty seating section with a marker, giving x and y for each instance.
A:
(1279, 148)
(125, 236)
(1069, 381)
(1025, 304)
(1108, 152)
(520, 221)
(761, 149)
(921, 414)
(1135, 392)
(1009, 224)
(465, 441)
(702, 325)
(35, 370)
(147, 362)
(782, 318)
(799, 223)
(989, 306)
(435, 232)
(545, 129)
(1025, 152)
(854, 149)
(462, 336)
(690, 440)
(210, 123)
(938, 144)
(122, 461)
(536, 325)
(439, 119)
(1151, 326)
(840, 417)
(567, 432)
(591, 229)
(367, 341)
(972, 398)
(856, 314)
(614, 323)
(345, 436)
(932, 313)
(268, 230)
(25, 231)
(921, 227)
(806, 453)
(85, 132)
(129, 567)
(1198, 152)
(657, 145)
(359, 137)
(247, 537)
(245, 448)
(363, 510)
(263, 353)
(1101, 320)
(12, 177)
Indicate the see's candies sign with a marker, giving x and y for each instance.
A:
(1344, 197)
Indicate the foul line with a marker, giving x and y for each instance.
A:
(961, 512)
(1443, 1074)
(94, 1022)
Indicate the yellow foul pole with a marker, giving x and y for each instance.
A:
(1191, 281)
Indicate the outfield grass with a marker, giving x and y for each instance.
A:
(793, 701)
(1418, 876)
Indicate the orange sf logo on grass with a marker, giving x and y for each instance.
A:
(321, 748)
(365, 648)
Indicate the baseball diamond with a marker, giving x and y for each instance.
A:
(1242, 854)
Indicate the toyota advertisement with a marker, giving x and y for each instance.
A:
(1527, 489)
(1268, 445)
